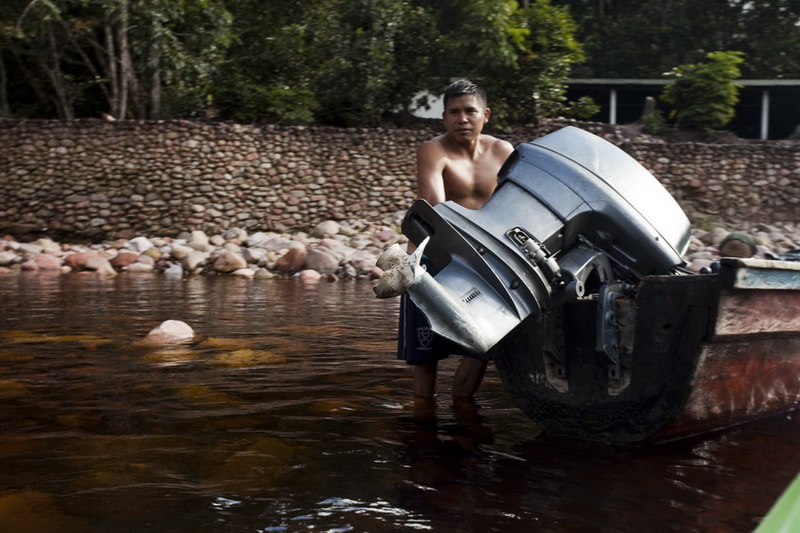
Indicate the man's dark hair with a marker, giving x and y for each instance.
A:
(462, 87)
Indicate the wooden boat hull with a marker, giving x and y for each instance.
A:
(698, 353)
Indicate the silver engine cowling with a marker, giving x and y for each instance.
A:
(572, 215)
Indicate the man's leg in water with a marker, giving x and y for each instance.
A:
(425, 379)
(468, 376)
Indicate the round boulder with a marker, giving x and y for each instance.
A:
(170, 332)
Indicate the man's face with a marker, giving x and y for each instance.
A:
(465, 117)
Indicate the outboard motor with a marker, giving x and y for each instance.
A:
(572, 215)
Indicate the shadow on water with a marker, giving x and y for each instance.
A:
(290, 413)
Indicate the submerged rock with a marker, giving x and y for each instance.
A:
(124, 259)
(174, 272)
(42, 261)
(309, 276)
(170, 332)
(321, 260)
(100, 265)
(29, 510)
(229, 261)
(247, 357)
(293, 260)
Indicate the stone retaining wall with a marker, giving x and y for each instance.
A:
(757, 182)
(92, 178)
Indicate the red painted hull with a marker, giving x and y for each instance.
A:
(701, 352)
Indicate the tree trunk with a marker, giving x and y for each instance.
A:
(125, 59)
(34, 81)
(155, 81)
(117, 102)
(63, 102)
(128, 72)
(5, 109)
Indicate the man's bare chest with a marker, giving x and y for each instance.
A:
(464, 174)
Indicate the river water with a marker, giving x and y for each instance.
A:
(290, 413)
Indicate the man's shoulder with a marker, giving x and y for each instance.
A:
(492, 140)
(433, 147)
(497, 145)
(435, 142)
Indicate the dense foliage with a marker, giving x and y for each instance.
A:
(646, 38)
(343, 62)
(126, 58)
(357, 62)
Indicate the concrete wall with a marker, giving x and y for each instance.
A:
(92, 178)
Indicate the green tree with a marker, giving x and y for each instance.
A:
(268, 68)
(40, 38)
(522, 55)
(357, 61)
(645, 38)
(483, 36)
(342, 62)
(161, 56)
(373, 57)
(704, 94)
(771, 41)
(137, 55)
(535, 86)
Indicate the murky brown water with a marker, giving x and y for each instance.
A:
(291, 414)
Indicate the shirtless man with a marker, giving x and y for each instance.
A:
(462, 166)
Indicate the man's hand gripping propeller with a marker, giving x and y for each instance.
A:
(448, 315)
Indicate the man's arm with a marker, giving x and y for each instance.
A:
(430, 168)
(430, 176)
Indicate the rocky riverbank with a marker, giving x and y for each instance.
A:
(331, 250)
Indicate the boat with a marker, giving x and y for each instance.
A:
(697, 353)
(573, 276)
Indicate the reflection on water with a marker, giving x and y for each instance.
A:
(289, 413)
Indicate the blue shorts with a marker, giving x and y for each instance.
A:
(417, 344)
